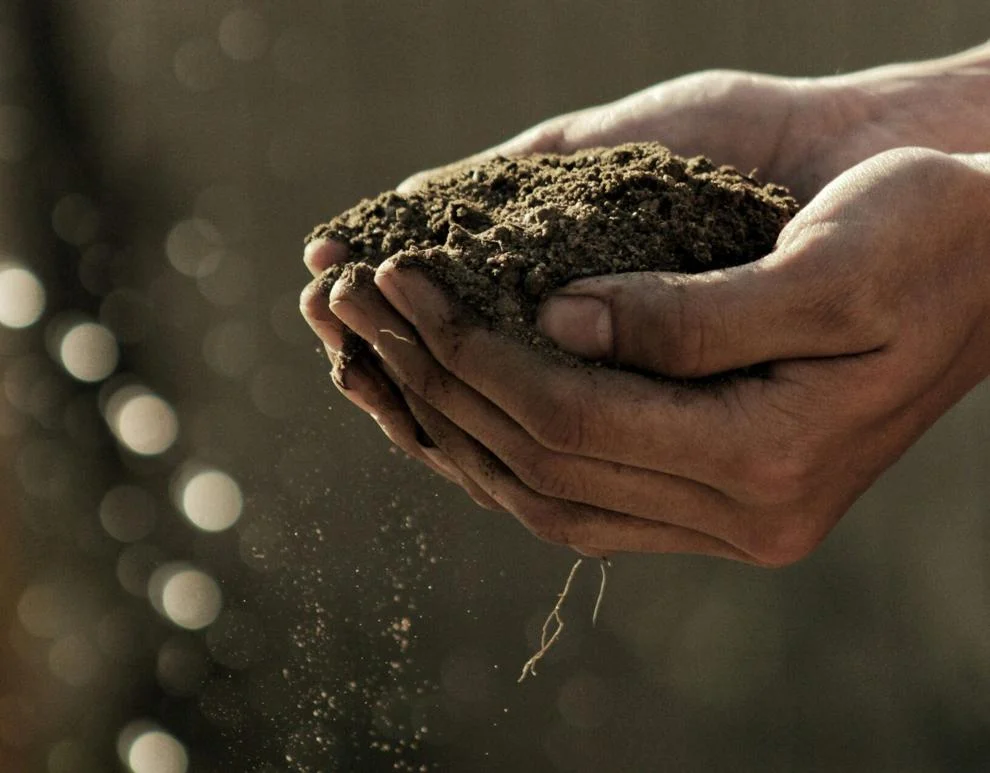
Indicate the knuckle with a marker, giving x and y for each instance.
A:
(787, 536)
(916, 164)
(855, 307)
(546, 476)
(778, 479)
(548, 136)
(688, 331)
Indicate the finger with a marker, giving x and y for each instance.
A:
(589, 412)
(315, 308)
(645, 493)
(455, 475)
(770, 515)
(372, 393)
(375, 393)
(363, 384)
(786, 306)
(320, 254)
(443, 464)
(558, 521)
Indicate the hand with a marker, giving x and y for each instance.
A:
(871, 313)
(800, 132)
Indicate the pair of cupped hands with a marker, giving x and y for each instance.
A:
(869, 318)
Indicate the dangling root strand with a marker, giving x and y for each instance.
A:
(547, 639)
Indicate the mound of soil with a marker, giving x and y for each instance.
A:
(501, 235)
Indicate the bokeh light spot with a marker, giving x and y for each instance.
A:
(89, 352)
(74, 660)
(22, 297)
(187, 596)
(193, 247)
(155, 751)
(76, 219)
(244, 35)
(45, 610)
(231, 348)
(212, 500)
(128, 513)
(198, 65)
(142, 421)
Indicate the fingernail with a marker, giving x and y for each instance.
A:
(391, 290)
(579, 324)
(309, 256)
(354, 318)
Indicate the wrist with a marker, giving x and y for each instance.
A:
(979, 247)
(943, 104)
(978, 161)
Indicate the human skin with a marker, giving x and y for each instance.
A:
(870, 315)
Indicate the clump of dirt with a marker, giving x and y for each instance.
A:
(501, 235)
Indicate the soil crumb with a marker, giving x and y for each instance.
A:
(501, 235)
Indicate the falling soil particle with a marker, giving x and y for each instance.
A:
(499, 236)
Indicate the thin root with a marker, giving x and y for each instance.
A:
(547, 639)
(397, 336)
(603, 565)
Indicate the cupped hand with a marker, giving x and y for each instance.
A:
(799, 132)
(752, 121)
(870, 318)
(802, 132)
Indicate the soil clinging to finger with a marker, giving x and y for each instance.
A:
(501, 235)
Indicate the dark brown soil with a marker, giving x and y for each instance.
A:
(501, 235)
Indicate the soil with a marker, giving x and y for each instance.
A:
(499, 236)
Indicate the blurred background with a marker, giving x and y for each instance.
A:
(210, 562)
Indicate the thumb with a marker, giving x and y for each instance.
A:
(697, 325)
